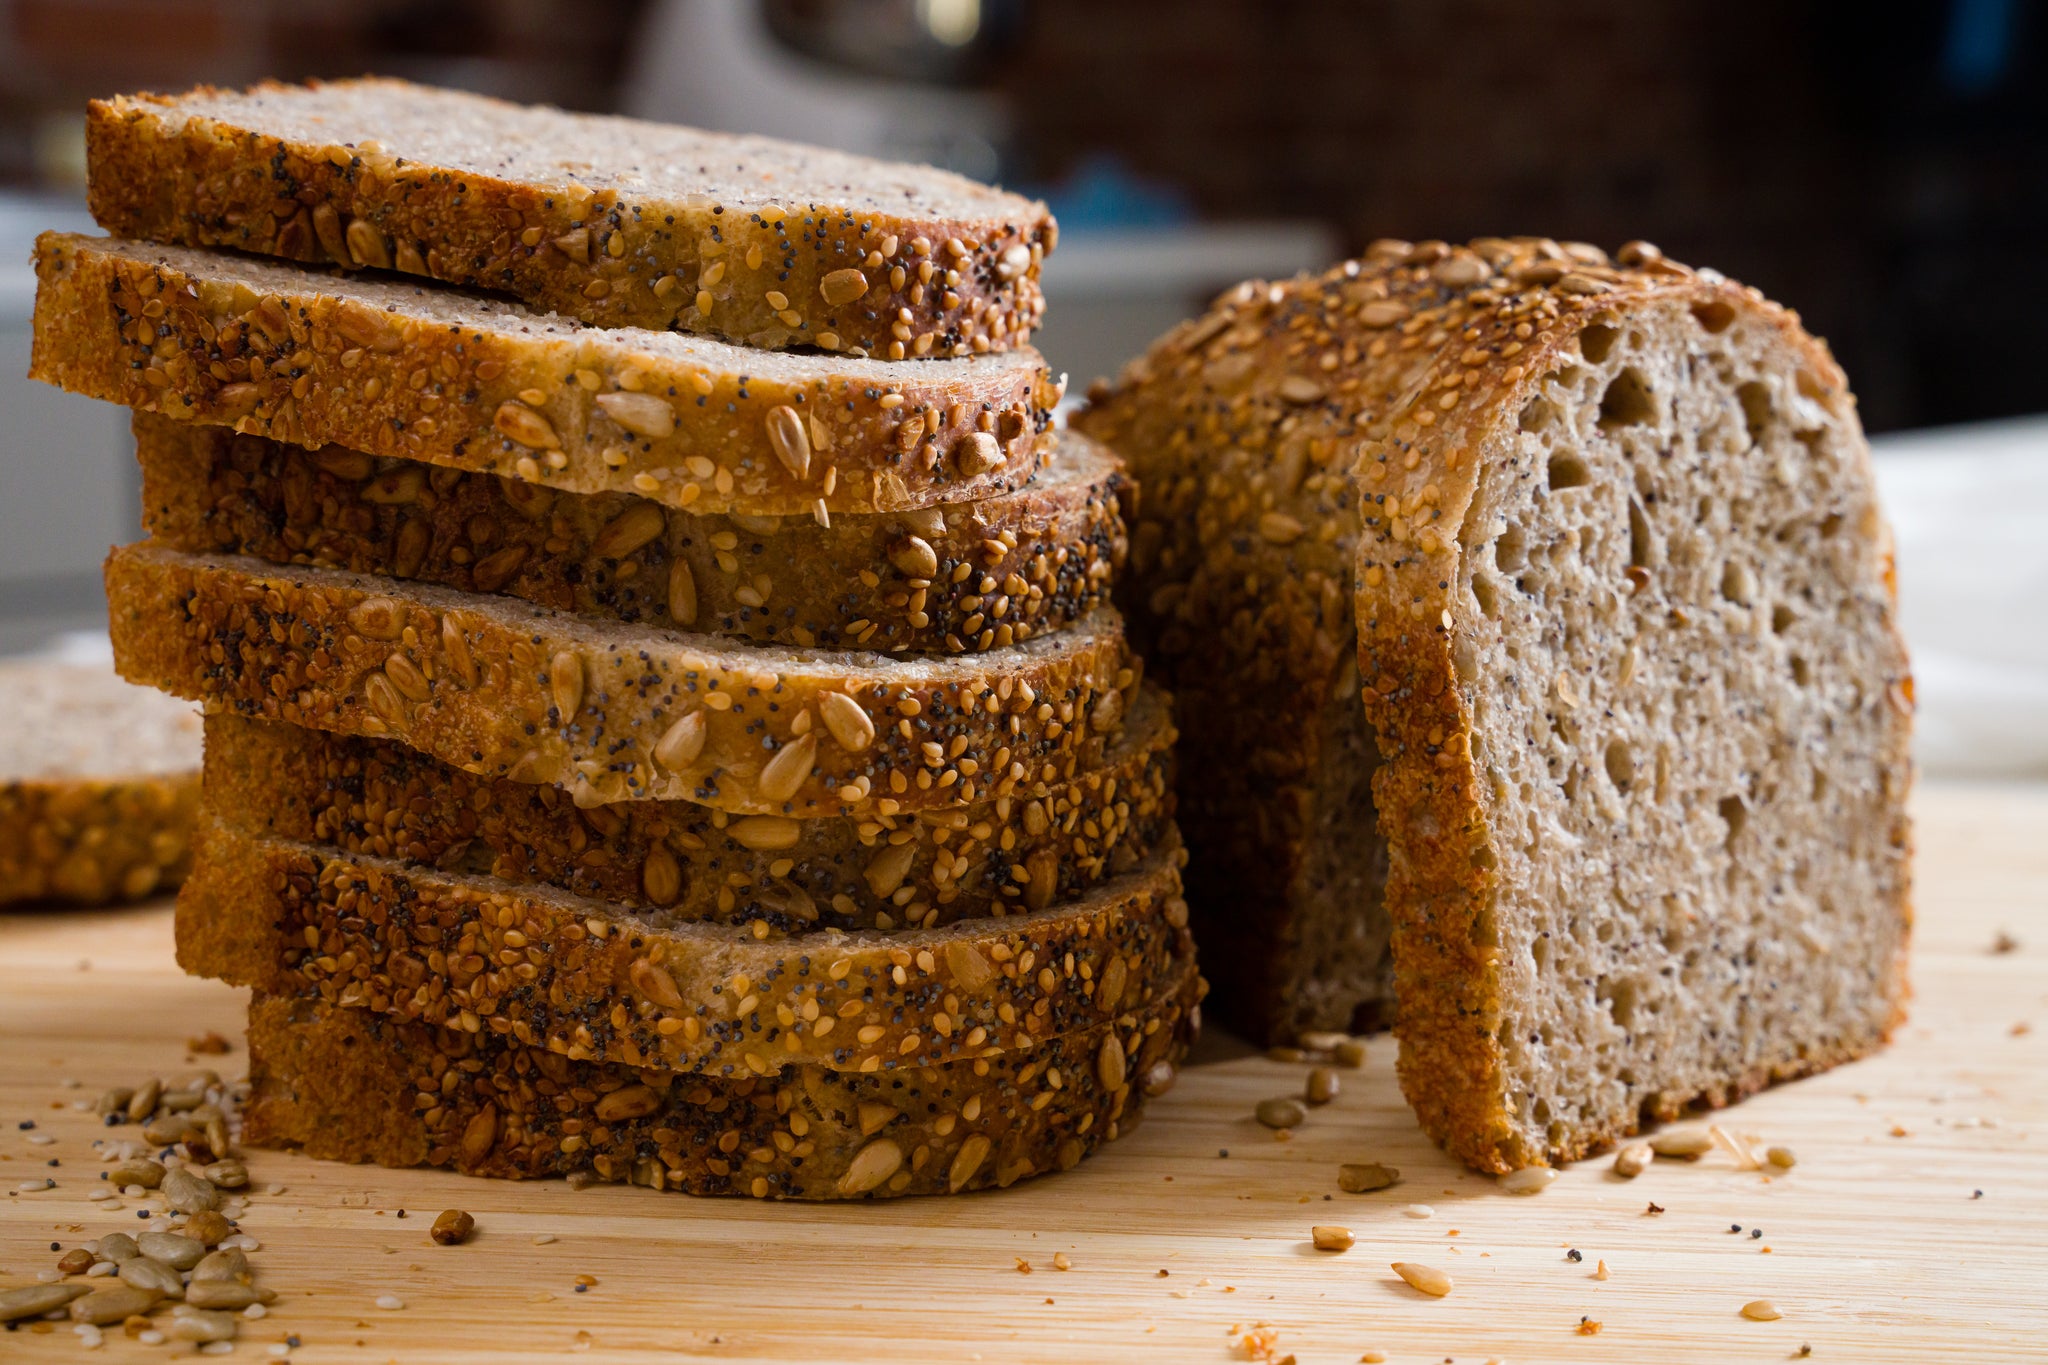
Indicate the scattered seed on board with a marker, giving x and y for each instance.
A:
(1321, 1086)
(390, 1303)
(1281, 1113)
(1061, 1262)
(1761, 1310)
(1685, 1144)
(1365, 1176)
(1600, 1271)
(1418, 1211)
(202, 1325)
(1632, 1160)
(1349, 1054)
(34, 1300)
(453, 1227)
(1329, 1237)
(1426, 1278)
(1528, 1180)
(1782, 1157)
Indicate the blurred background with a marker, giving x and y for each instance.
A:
(1883, 168)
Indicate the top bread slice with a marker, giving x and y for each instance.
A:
(99, 782)
(419, 372)
(1626, 641)
(615, 221)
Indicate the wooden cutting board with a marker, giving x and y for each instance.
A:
(1915, 1226)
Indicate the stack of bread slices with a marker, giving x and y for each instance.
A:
(664, 718)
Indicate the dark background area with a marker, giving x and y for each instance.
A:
(1884, 168)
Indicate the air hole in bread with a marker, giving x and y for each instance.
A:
(1738, 584)
(1802, 672)
(1663, 785)
(1568, 470)
(1756, 408)
(1735, 814)
(1714, 315)
(1484, 593)
(1638, 536)
(1620, 998)
(1830, 524)
(1597, 341)
(1627, 401)
(1511, 549)
(1537, 414)
(1782, 618)
(1621, 765)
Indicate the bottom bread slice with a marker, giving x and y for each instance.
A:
(589, 978)
(352, 1085)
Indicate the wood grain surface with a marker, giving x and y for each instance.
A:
(1915, 1226)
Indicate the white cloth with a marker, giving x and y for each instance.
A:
(1969, 507)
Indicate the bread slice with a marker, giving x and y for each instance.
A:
(351, 1085)
(610, 712)
(949, 579)
(1627, 642)
(592, 979)
(99, 780)
(611, 220)
(676, 862)
(422, 373)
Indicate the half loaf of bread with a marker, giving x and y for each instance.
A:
(1626, 641)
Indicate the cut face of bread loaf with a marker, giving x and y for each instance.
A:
(1626, 641)
(676, 862)
(1629, 644)
(591, 979)
(99, 781)
(609, 712)
(948, 579)
(351, 1085)
(429, 374)
(614, 221)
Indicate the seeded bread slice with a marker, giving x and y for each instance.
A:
(99, 780)
(591, 979)
(1627, 642)
(611, 712)
(948, 579)
(615, 221)
(423, 373)
(351, 1085)
(676, 862)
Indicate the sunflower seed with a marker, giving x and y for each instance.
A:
(1528, 1180)
(34, 1300)
(1426, 1278)
(1328, 1237)
(1364, 1177)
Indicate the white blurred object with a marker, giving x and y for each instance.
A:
(1969, 506)
(1110, 294)
(715, 64)
(68, 483)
